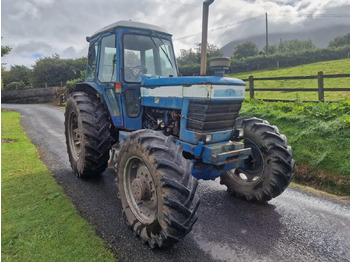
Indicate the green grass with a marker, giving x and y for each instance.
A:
(319, 134)
(38, 223)
(328, 67)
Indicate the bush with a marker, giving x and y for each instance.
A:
(190, 70)
(15, 85)
(70, 84)
(288, 59)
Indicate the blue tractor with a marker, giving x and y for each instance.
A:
(162, 132)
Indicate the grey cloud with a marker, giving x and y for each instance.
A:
(33, 47)
(48, 26)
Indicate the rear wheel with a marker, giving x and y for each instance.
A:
(157, 191)
(87, 132)
(268, 170)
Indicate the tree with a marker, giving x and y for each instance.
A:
(188, 57)
(245, 50)
(340, 41)
(53, 71)
(4, 75)
(17, 73)
(272, 49)
(193, 56)
(5, 50)
(295, 45)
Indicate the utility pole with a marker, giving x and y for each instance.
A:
(267, 36)
(205, 36)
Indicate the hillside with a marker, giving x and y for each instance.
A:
(328, 67)
(318, 37)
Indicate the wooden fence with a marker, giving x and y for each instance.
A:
(320, 88)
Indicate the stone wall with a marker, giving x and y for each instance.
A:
(31, 96)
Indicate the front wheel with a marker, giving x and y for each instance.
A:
(268, 170)
(157, 191)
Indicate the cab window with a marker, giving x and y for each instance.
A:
(108, 60)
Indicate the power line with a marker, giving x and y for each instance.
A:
(312, 15)
(223, 27)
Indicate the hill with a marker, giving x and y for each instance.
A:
(318, 37)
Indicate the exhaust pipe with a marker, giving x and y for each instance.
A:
(205, 36)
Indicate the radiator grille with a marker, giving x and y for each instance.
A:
(211, 116)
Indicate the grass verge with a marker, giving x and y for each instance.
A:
(38, 223)
(328, 67)
(319, 134)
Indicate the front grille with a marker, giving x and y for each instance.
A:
(211, 116)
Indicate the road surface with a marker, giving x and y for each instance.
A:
(296, 226)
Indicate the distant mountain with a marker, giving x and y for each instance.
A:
(320, 37)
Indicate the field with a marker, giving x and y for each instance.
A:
(319, 134)
(328, 67)
(38, 222)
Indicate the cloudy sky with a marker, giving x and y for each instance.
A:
(37, 28)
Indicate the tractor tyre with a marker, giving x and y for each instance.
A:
(87, 130)
(156, 188)
(268, 170)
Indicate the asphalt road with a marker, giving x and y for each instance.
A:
(296, 226)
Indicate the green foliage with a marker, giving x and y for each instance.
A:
(272, 49)
(288, 59)
(5, 50)
(193, 56)
(247, 49)
(290, 46)
(295, 45)
(4, 75)
(188, 57)
(340, 41)
(339, 113)
(15, 85)
(39, 223)
(17, 74)
(71, 83)
(190, 69)
(53, 71)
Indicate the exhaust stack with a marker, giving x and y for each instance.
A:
(205, 36)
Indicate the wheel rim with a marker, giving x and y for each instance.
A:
(253, 170)
(74, 135)
(140, 190)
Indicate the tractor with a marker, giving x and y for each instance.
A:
(162, 132)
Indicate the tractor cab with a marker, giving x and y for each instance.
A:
(120, 56)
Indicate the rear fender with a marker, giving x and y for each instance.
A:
(108, 98)
(88, 87)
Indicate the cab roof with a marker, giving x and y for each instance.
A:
(128, 24)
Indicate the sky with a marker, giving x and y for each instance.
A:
(38, 28)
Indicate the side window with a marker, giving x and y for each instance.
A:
(92, 62)
(108, 60)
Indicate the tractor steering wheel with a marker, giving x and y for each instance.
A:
(133, 73)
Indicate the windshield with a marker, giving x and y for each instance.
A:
(148, 55)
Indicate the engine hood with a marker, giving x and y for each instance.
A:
(189, 80)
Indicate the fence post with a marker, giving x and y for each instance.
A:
(251, 87)
(320, 87)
